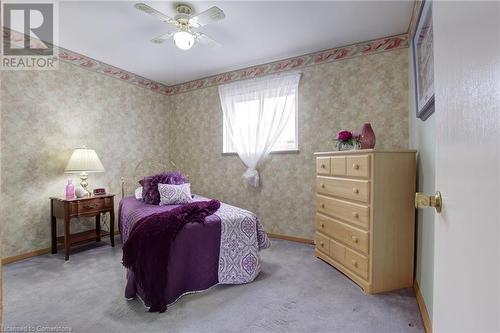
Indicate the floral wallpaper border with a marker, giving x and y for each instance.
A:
(92, 64)
(295, 63)
(330, 55)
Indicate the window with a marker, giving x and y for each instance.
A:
(257, 112)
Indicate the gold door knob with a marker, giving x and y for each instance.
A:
(423, 201)
(355, 215)
(322, 185)
(355, 263)
(322, 205)
(354, 239)
(355, 191)
(323, 166)
(322, 244)
(355, 166)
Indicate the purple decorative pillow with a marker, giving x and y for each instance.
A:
(150, 193)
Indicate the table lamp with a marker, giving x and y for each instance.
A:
(83, 161)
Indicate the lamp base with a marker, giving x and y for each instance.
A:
(83, 183)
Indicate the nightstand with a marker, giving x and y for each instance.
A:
(81, 207)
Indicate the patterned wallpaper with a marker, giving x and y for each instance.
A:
(332, 96)
(45, 114)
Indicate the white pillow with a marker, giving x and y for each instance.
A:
(174, 194)
(138, 193)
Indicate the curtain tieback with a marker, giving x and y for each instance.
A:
(251, 175)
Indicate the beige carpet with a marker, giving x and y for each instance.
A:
(295, 292)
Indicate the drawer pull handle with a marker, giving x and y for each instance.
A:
(322, 185)
(355, 166)
(322, 225)
(355, 215)
(323, 166)
(322, 244)
(354, 239)
(322, 205)
(89, 206)
(355, 263)
(355, 190)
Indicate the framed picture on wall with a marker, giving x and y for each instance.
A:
(423, 62)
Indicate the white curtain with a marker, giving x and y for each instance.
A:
(255, 113)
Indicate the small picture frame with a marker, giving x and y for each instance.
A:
(422, 45)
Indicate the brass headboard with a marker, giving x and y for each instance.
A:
(146, 167)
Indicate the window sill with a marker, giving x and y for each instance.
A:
(288, 151)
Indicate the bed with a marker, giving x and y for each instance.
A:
(222, 250)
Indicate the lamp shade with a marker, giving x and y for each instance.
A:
(84, 160)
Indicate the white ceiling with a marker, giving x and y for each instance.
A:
(252, 33)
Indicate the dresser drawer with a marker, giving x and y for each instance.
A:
(322, 243)
(358, 166)
(338, 167)
(354, 213)
(91, 205)
(344, 188)
(328, 227)
(353, 237)
(356, 263)
(337, 251)
(323, 165)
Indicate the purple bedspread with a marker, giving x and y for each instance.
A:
(194, 254)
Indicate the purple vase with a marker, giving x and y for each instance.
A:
(367, 137)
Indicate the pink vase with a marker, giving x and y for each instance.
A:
(367, 137)
(70, 190)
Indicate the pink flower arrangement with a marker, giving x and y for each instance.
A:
(344, 136)
(347, 140)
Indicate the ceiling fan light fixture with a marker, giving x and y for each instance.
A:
(184, 22)
(183, 40)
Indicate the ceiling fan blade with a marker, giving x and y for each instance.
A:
(205, 40)
(153, 12)
(210, 15)
(160, 39)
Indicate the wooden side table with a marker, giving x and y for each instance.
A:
(88, 207)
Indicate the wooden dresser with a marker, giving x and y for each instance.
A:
(365, 216)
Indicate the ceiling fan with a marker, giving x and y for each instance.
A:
(185, 37)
